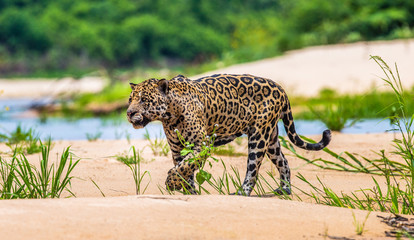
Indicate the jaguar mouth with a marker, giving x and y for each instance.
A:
(140, 124)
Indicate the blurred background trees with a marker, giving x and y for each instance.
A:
(62, 35)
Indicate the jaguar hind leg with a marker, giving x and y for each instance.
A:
(258, 145)
(275, 154)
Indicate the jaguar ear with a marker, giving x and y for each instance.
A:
(163, 86)
(132, 85)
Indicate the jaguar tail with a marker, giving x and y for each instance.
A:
(295, 138)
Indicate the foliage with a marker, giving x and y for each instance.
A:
(330, 105)
(199, 158)
(20, 179)
(397, 196)
(349, 162)
(158, 146)
(45, 36)
(22, 140)
(335, 117)
(93, 136)
(228, 150)
(134, 164)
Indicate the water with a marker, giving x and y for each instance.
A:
(60, 128)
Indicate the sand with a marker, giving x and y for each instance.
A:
(345, 68)
(49, 88)
(123, 215)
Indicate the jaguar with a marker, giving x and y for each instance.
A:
(228, 106)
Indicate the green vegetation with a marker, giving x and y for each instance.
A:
(338, 111)
(335, 117)
(110, 102)
(93, 136)
(228, 150)
(158, 145)
(22, 140)
(134, 164)
(346, 161)
(200, 159)
(45, 37)
(359, 227)
(397, 197)
(20, 179)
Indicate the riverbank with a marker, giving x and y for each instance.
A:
(121, 215)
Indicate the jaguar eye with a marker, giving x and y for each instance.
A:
(129, 100)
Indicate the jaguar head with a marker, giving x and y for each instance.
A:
(147, 102)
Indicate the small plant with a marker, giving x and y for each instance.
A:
(360, 227)
(336, 116)
(125, 157)
(96, 185)
(348, 162)
(158, 146)
(404, 147)
(34, 145)
(93, 136)
(18, 135)
(201, 158)
(134, 164)
(227, 150)
(118, 135)
(20, 179)
(23, 141)
(239, 141)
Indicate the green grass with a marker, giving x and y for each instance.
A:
(349, 162)
(93, 136)
(228, 150)
(335, 116)
(159, 146)
(133, 162)
(360, 226)
(20, 179)
(18, 135)
(335, 109)
(22, 140)
(397, 196)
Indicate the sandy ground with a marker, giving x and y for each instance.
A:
(345, 68)
(122, 215)
(49, 88)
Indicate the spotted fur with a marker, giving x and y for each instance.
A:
(238, 104)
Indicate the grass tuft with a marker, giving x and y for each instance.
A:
(134, 164)
(360, 227)
(20, 179)
(158, 145)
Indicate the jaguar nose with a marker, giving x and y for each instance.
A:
(130, 113)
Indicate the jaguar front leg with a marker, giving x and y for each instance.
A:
(182, 174)
(174, 179)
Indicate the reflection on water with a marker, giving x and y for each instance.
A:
(59, 128)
